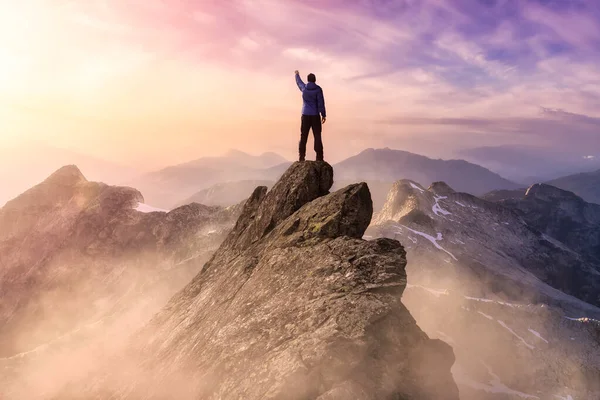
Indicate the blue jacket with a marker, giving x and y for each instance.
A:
(312, 96)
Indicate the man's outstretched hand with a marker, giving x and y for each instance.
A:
(296, 72)
(323, 120)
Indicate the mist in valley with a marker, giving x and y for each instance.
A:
(60, 339)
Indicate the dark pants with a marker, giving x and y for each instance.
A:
(314, 122)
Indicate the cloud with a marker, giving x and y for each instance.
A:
(569, 116)
(479, 68)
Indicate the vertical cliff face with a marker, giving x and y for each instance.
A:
(294, 305)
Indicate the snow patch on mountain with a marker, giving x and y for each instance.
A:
(145, 208)
(537, 334)
(433, 240)
(489, 301)
(435, 292)
(416, 187)
(568, 397)
(485, 315)
(515, 334)
(437, 209)
(494, 386)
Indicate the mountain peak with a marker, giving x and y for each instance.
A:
(441, 188)
(547, 192)
(69, 175)
(300, 184)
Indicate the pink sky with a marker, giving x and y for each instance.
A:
(152, 83)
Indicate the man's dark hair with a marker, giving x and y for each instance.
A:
(312, 78)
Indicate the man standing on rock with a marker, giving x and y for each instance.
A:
(313, 105)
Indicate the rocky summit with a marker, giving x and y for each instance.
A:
(293, 305)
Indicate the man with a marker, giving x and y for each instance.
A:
(313, 105)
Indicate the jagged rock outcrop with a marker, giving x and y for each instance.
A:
(481, 233)
(293, 305)
(441, 188)
(485, 280)
(74, 251)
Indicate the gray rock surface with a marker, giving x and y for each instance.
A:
(293, 305)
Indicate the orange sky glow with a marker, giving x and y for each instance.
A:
(149, 83)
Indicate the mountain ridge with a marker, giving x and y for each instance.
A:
(498, 290)
(344, 335)
(586, 185)
(391, 165)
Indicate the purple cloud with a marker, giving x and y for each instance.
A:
(477, 70)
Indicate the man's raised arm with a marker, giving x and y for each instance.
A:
(301, 85)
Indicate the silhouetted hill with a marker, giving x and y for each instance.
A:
(24, 166)
(585, 185)
(564, 216)
(172, 185)
(530, 164)
(226, 193)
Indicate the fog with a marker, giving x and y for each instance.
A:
(508, 345)
(496, 352)
(81, 328)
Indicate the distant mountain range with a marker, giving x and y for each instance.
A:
(173, 185)
(391, 165)
(24, 166)
(378, 167)
(586, 185)
(226, 193)
(528, 164)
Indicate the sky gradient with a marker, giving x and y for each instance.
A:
(149, 83)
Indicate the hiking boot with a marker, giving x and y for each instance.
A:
(302, 158)
(320, 158)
